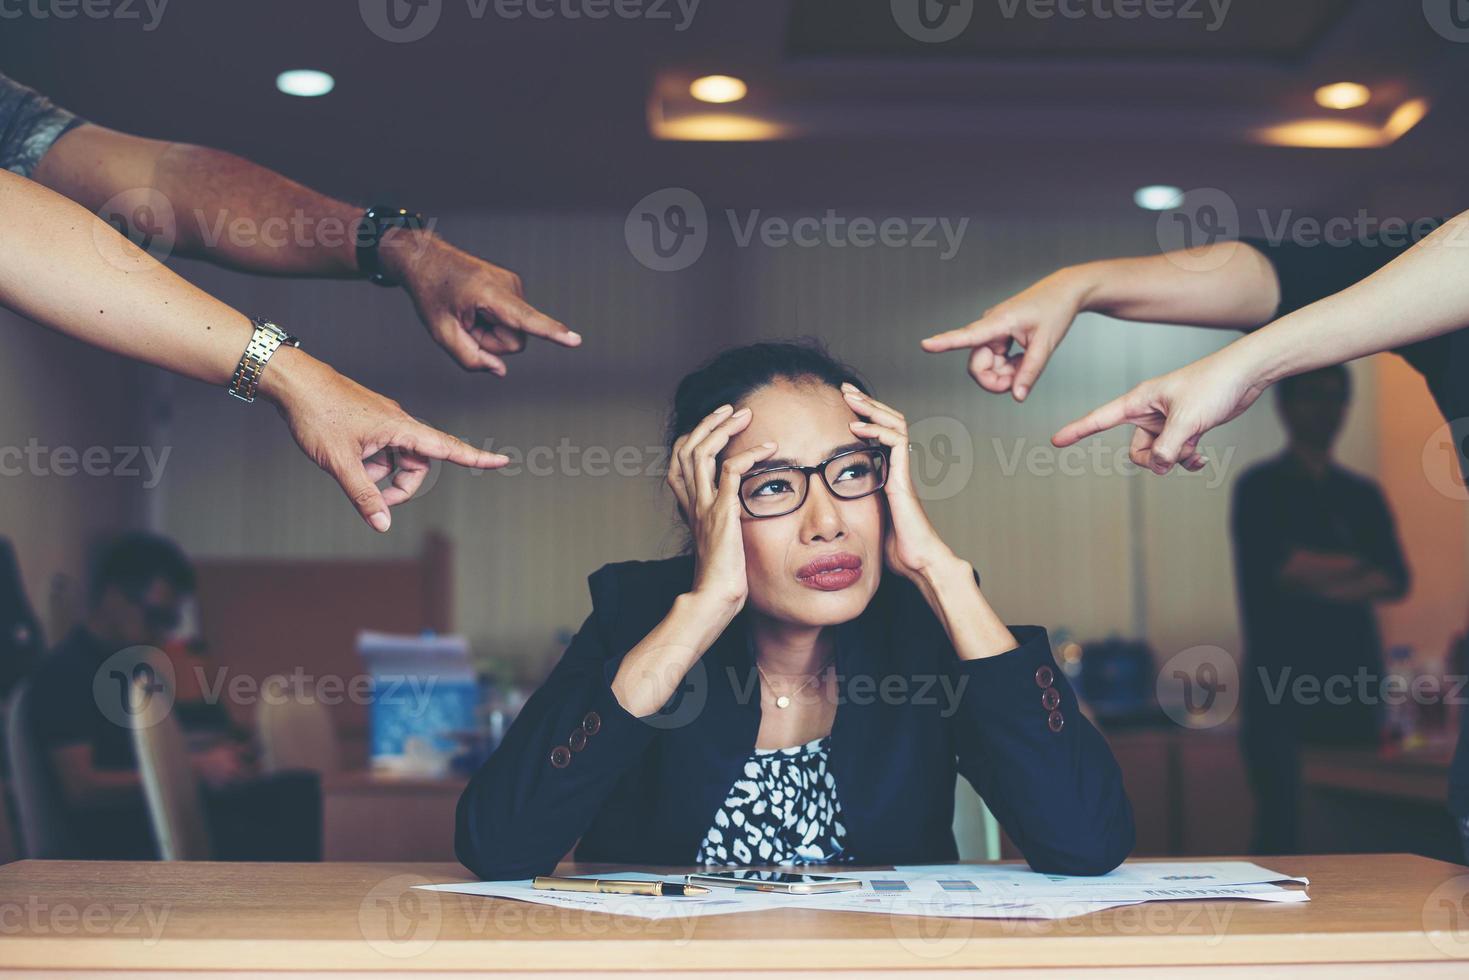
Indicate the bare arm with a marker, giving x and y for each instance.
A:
(1337, 576)
(1228, 285)
(84, 785)
(66, 269)
(1421, 294)
(1367, 585)
(206, 203)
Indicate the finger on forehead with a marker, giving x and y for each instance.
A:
(714, 441)
(880, 412)
(707, 423)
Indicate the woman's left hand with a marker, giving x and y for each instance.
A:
(913, 546)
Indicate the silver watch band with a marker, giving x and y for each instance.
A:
(264, 342)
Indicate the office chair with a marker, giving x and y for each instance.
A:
(40, 812)
(175, 805)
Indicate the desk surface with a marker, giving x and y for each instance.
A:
(363, 916)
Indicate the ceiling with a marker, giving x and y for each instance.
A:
(1022, 112)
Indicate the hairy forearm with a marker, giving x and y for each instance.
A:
(955, 598)
(1228, 285)
(205, 203)
(1421, 294)
(653, 670)
(236, 213)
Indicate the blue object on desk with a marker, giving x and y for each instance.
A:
(424, 690)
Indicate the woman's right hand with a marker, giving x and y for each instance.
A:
(713, 512)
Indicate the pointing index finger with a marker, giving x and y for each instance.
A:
(1109, 416)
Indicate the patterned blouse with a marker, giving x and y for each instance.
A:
(782, 810)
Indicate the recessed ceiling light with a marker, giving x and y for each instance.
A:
(305, 82)
(718, 89)
(1343, 95)
(1158, 197)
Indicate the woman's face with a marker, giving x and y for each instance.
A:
(809, 423)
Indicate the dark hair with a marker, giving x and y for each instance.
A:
(1289, 388)
(732, 375)
(135, 560)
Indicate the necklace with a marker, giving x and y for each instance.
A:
(784, 700)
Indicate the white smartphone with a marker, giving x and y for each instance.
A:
(789, 882)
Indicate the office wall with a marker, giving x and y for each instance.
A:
(1063, 540)
(60, 400)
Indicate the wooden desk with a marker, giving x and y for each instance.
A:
(83, 917)
(1419, 777)
(1356, 800)
(371, 816)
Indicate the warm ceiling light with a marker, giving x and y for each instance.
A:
(710, 127)
(1158, 197)
(305, 82)
(1343, 95)
(718, 89)
(1345, 134)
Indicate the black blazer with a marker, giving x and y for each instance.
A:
(575, 764)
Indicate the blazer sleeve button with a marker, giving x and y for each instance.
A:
(1050, 697)
(560, 757)
(592, 723)
(1056, 721)
(578, 740)
(1043, 676)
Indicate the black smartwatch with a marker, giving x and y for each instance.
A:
(376, 221)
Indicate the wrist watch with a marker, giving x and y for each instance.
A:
(376, 222)
(264, 342)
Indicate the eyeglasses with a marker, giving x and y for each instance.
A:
(782, 490)
(164, 618)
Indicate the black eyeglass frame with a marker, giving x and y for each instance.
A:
(818, 469)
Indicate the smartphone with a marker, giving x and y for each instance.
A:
(788, 882)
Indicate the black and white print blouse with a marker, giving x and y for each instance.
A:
(782, 810)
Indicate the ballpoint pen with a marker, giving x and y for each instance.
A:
(616, 886)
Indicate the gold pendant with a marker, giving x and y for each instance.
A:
(782, 702)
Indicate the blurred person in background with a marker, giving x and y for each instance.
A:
(1315, 546)
(137, 592)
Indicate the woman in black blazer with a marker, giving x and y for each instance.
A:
(804, 685)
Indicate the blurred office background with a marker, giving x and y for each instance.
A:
(531, 139)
